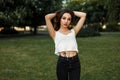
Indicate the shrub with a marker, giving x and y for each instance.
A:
(113, 27)
(9, 31)
(88, 31)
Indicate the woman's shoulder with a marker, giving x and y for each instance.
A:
(72, 30)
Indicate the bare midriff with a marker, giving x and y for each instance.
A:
(68, 53)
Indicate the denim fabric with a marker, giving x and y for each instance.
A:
(68, 68)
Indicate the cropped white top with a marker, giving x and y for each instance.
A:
(65, 42)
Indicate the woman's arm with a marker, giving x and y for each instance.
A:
(49, 24)
(81, 21)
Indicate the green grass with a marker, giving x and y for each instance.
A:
(33, 58)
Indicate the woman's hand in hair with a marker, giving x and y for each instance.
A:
(50, 16)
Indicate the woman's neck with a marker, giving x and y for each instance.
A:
(64, 30)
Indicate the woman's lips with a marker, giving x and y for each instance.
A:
(65, 24)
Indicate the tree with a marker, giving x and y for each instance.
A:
(39, 8)
(26, 12)
(112, 8)
(94, 11)
(113, 14)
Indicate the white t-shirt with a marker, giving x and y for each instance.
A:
(65, 42)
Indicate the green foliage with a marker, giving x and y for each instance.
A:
(113, 14)
(95, 12)
(90, 30)
(41, 7)
(5, 19)
(26, 12)
(112, 27)
(6, 5)
(75, 5)
(99, 12)
(110, 8)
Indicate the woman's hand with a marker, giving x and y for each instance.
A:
(50, 16)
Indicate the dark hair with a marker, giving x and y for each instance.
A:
(58, 16)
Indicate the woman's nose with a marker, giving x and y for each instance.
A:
(66, 20)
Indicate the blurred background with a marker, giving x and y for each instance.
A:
(27, 16)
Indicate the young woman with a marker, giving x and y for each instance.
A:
(68, 65)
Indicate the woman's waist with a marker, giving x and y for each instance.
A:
(68, 54)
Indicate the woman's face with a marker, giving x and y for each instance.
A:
(65, 20)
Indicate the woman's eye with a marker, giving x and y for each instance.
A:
(69, 19)
(63, 18)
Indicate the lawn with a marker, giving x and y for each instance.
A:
(33, 58)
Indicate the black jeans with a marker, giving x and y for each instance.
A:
(68, 68)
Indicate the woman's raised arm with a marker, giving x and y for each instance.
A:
(49, 24)
(81, 21)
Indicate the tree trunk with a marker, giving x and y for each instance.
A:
(35, 30)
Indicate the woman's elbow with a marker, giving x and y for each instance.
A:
(85, 14)
(47, 16)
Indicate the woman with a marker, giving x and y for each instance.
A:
(68, 65)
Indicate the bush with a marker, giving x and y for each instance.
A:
(113, 27)
(9, 31)
(89, 31)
